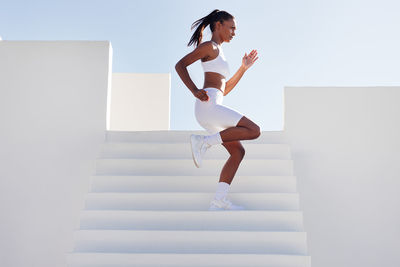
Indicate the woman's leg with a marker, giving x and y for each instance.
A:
(237, 152)
(245, 129)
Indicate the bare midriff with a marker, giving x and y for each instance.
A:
(213, 79)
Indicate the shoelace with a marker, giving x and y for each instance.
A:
(217, 203)
(204, 147)
(227, 202)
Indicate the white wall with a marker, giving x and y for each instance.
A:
(140, 101)
(53, 121)
(345, 145)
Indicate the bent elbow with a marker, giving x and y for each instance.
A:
(178, 65)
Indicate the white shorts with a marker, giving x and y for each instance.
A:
(212, 115)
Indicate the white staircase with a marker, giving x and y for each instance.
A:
(148, 206)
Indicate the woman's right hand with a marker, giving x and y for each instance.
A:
(201, 94)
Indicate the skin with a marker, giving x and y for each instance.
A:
(245, 129)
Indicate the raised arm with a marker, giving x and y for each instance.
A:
(247, 62)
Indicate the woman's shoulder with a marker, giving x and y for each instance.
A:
(208, 44)
(209, 48)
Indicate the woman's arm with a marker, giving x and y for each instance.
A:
(200, 52)
(184, 74)
(231, 83)
(247, 61)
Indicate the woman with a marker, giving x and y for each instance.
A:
(225, 125)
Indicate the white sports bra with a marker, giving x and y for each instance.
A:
(218, 64)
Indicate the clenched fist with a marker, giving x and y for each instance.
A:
(201, 94)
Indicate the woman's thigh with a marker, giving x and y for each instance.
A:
(216, 117)
(224, 116)
(246, 122)
(213, 116)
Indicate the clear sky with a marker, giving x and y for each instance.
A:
(299, 43)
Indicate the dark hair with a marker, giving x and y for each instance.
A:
(210, 19)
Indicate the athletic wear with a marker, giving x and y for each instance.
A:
(213, 139)
(220, 202)
(199, 148)
(224, 204)
(212, 115)
(218, 64)
(222, 190)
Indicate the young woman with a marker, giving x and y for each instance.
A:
(225, 125)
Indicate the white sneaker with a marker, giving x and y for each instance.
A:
(199, 148)
(224, 204)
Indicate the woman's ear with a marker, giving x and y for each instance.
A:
(217, 25)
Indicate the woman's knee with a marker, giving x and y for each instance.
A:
(235, 149)
(253, 128)
(256, 131)
(239, 152)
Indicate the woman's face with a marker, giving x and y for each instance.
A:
(227, 30)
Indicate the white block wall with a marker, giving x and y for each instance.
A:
(53, 107)
(140, 101)
(345, 145)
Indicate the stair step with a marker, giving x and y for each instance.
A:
(183, 151)
(188, 201)
(173, 136)
(129, 183)
(148, 205)
(187, 167)
(155, 241)
(184, 260)
(247, 220)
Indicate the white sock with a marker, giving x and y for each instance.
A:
(213, 139)
(222, 190)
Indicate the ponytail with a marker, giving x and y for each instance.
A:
(210, 19)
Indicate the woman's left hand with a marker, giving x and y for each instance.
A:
(248, 60)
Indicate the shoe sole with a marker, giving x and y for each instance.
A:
(212, 209)
(237, 208)
(192, 147)
(216, 209)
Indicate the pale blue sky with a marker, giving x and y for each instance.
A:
(299, 43)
